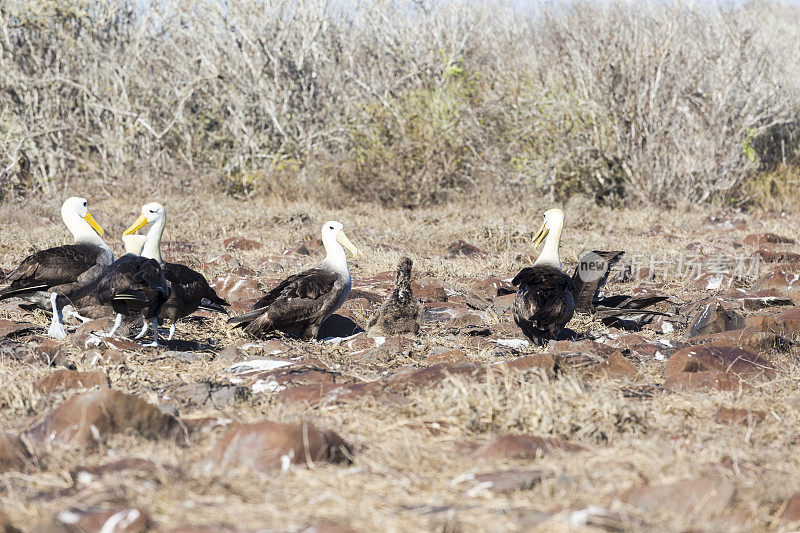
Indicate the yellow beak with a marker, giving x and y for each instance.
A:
(88, 218)
(140, 223)
(540, 236)
(342, 239)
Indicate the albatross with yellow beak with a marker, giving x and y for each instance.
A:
(189, 290)
(544, 302)
(49, 277)
(300, 303)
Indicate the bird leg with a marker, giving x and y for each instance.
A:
(70, 311)
(114, 328)
(155, 342)
(141, 333)
(56, 329)
(171, 332)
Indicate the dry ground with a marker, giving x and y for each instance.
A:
(402, 476)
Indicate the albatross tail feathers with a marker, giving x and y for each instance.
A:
(246, 317)
(8, 292)
(208, 305)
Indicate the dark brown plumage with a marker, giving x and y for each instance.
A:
(132, 285)
(189, 291)
(544, 302)
(62, 269)
(297, 306)
(400, 312)
(591, 275)
(300, 303)
(625, 311)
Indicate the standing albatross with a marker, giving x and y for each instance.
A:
(133, 285)
(49, 277)
(544, 302)
(300, 303)
(189, 290)
(399, 313)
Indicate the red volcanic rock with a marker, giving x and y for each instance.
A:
(235, 288)
(714, 318)
(428, 377)
(500, 481)
(543, 361)
(763, 300)
(86, 418)
(508, 446)
(449, 356)
(240, 243)
(437, 312)
(224, 262)
(270, 264)
(641, 347)
(311, 371)
(63, 379)
(268, 445)
(790, 321)
(614, 366)
(462, 248)
(84, 339)
(783, 279)
(493, 287)
(468, 318)
(696, 496)
(119, 520)
(777, 256)
(310, 394)
(731, 416)
(763, 323)
(357, 304)
(712, 281)
(10, 328)
(502, 304)
(371, 297)
(750, 338)
(760, 239)
(310, 247)
(582, 347)
(791, 509)
(714, 367)
(13, 454)
(429, 290)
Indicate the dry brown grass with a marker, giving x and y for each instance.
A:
(403, 103)
(401, 479)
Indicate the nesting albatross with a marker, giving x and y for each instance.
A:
(544, 302)
(300, 303)
(53, 275)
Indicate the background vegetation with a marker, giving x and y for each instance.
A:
(403, 103)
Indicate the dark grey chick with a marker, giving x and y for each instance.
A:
(400, 312)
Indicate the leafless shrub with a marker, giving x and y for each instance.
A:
(664, 102)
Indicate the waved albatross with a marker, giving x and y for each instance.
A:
(49, 277)
(400, 312)
(619, 310)
(300, 303)
(132, 286)
(544, 302)
(189, 289)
